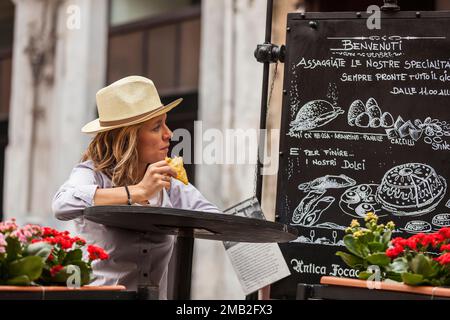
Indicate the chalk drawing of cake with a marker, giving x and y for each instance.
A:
(411, 189)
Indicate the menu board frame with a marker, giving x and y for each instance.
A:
(313, 193)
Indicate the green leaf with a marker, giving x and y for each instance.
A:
(86, 271)
(379, 259)
(386, 237)
(412, 279)
(394, 276)
(355, 246)
(445, 282)
(40, 249)
(369, 237)
(421, 264)
(74, 255)
(376, 247)
(13, 248)
(364, 275)
(351, 260)
(30, 266)
(19, 281)
(399, 265)
(439, 282)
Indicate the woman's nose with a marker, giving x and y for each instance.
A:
(168, 133)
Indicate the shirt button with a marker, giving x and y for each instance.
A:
(145, 275)
(144, 251)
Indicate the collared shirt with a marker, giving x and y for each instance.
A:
(135, 257)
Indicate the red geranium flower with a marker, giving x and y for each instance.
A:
(394, 252)
(97, 253)
(444, 259)
(54, 270)
(445, 232)
(49, 232)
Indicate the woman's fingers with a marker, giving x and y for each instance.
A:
(166, 185)
(161, 176)
(159, 164)
(160, 167)
(163, 180)
(165, 170)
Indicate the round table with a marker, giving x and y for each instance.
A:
(189, 224)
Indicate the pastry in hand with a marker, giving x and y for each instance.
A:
(177, 165)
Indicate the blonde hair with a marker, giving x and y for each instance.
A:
(115, 153)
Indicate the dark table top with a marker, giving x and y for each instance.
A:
(188, 223)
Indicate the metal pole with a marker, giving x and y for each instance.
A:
(263, 116)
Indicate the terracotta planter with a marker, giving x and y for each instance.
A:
(61, 288)
(388, 286)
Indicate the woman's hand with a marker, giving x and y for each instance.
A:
(156, 177)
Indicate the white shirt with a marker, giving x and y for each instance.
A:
(135, 257)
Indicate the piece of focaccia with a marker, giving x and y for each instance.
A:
(177, 164)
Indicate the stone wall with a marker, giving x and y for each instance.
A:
(59, 61)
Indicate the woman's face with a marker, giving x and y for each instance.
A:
(153, 140)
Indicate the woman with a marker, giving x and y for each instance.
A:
(124, 164)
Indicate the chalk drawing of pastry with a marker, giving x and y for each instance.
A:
(368, 115)
(417, 226)
(310, 208)
(314, 114)
(327, 182)
(359, 200)
(374, 112)
(387, 120)
(441, 220)
(448, 204)
(356, 108)
(415, 129)
(411, 189)
(363, 120)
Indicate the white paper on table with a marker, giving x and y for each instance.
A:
(256, 264)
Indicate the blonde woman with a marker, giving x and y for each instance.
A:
(124, 164)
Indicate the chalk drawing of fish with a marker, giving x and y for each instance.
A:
(327, 182)
(310, 209)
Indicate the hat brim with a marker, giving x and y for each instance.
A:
(95, 126)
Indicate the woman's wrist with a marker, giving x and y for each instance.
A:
(137, 193)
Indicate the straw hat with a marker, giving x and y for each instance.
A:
(128, 101)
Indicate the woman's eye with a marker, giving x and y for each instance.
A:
(156, 128)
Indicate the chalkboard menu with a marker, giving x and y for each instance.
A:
(365, 128)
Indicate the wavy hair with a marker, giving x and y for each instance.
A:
(115, 153)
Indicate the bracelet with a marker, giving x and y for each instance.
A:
(128, 195)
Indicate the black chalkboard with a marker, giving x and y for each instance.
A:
(365, 127)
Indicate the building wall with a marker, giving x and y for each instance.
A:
(51, 100)
(131, 10)
(230, 93)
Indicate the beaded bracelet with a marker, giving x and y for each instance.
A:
(128, 195)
